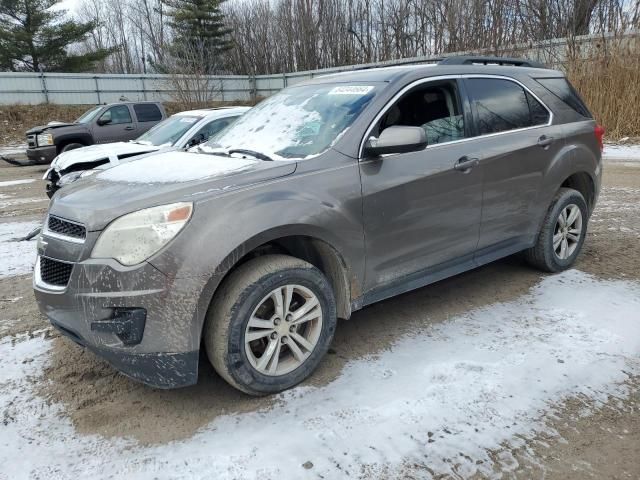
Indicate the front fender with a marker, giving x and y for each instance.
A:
(225, 228)
(76, 136)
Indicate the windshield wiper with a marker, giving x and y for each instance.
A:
(252, 153)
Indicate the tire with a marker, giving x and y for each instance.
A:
(249, 292)
(71, 146)
(544, 254)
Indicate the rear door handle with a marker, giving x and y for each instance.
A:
(128, 128)
(465, 164)
(545, 141)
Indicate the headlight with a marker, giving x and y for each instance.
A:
(73, 176)
(44, 139)
(69, 178)
(136, 236)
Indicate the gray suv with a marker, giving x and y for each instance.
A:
(329, 196)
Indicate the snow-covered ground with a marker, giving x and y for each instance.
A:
(625, 153)
(440, 396)
(16, 258)
(10, 201)
(11, 183)
(12, 149)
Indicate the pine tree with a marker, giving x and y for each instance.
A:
(34, 37)
(199, 32)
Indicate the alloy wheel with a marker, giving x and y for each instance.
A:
(283, 330)
(567, 232)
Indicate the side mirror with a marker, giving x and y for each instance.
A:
(103, 121)
(398, 139)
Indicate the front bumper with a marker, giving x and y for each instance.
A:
(136, 318)
(158, 370)
(42, 154)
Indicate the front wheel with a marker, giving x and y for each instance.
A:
(562, 234)
(270, 324)
(71, 146)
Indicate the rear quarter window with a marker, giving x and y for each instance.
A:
(502, 105)
(147, 112)
(561, 88)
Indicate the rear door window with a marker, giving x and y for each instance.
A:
(147, 112)
(502, 105)
(562, 89)
(539, 114)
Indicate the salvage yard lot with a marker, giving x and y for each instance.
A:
(499, 372)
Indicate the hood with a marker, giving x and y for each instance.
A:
(50, 126)
(101, 153)
(159, 179)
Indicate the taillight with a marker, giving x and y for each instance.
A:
(599, 132)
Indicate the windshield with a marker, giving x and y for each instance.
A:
(89, 115)
(298, 122)
(168, 131)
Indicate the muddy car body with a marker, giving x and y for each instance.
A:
(180, 131)
(344, 208)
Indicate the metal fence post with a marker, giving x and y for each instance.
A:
(284, 80)
(222, 89)
(44, 86)
(253, 81)
(95, 79)
(144, 88)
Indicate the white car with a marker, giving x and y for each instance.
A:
(180, 131)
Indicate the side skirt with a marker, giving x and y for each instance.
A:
(443, 270)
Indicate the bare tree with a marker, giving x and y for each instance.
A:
(190, 76)
(275, 36)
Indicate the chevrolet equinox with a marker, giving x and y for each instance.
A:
(329, 196)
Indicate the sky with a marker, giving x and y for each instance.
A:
(70, 5)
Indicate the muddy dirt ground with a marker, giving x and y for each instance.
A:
(603, 444)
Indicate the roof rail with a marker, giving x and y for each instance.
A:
(470, 60)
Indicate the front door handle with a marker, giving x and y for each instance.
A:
(128, 128)
(465, 164)
(545, 141)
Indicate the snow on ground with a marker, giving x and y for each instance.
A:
(630, 153)
(441, 396)
(16, 258)
(618, 209)
(9, 201)
(12, 149)
(10, 183)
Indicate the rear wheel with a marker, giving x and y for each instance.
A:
(270, 324)
(562, 234)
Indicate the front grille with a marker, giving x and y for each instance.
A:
(31, 141)
(54, 272)
(66, 228)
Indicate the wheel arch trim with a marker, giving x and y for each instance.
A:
(334, 265)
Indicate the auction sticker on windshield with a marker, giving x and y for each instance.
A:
(351, 90)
